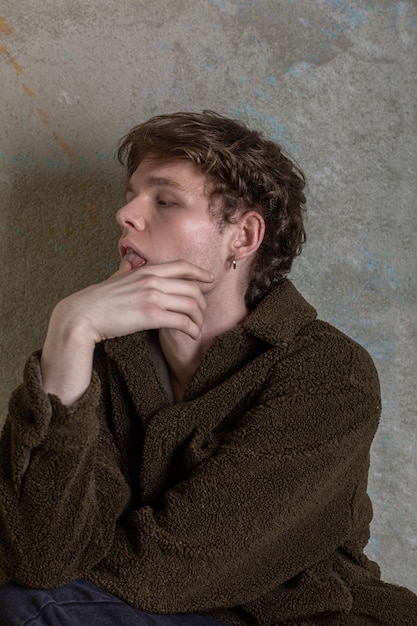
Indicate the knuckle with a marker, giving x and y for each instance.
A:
(151, 281)
(153, 296)
(186, 323)
(193, 305)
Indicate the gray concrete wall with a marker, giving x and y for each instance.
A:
(333, 80)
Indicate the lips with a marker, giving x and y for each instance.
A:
(131, 254)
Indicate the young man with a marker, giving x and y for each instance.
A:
(192, 444)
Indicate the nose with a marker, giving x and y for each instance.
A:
(131, 215)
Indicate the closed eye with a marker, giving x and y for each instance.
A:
(165, 203)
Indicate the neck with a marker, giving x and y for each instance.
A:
(184, 354)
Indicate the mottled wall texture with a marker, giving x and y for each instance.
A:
(333, 80)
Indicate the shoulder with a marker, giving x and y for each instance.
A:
(321, 358)
(321, 384)
(289, 324)
(333, 349)
(324, 386)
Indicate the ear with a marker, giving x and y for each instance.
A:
(249, 234)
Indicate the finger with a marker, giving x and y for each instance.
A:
(192, 308)
(124, 267)
(172, 320)
(178, 269)
(167, 292)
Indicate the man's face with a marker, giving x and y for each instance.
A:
(167, 218)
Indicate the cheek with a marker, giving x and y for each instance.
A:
(197, 241)
(204, 240)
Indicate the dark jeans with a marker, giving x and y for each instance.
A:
(81, 604)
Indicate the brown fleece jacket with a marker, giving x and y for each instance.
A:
(246, 500)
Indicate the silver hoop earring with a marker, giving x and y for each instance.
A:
(234, 263)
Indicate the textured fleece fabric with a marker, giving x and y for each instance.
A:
(246, 500)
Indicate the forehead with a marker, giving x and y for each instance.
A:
(179, 174)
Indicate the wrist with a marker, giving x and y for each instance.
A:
(67, 357)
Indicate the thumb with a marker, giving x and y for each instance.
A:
(124, 267)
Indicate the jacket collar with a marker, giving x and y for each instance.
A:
(275, 322)
(280, 315)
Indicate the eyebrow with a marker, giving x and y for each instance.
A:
(158, 181)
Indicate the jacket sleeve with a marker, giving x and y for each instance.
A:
(278, 494)
(61, 491)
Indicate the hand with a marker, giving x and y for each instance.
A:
(153, 296)
(167, 295)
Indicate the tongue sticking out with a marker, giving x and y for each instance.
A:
(134, 259)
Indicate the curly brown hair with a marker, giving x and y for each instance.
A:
(247, 172)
